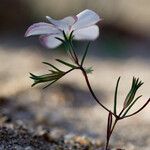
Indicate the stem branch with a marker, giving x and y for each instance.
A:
(137, 110)
(92, 92)
(110, 133)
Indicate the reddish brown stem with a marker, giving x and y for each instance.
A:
(91, 90)
(138, 110)
(110, 133)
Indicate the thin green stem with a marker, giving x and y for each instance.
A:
(74, 53)
(85, 53)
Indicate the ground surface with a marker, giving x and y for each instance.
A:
(65, 116)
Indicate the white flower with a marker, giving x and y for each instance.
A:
(82, 25)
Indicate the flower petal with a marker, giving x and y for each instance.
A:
(70, 20)
(89, 33)
(50, 41)
(86, 18)
(41, 28)
(63, 24)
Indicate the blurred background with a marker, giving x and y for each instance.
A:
(124, 30)
(122, 49)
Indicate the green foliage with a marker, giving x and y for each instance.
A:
(136, 84)
(85, 53)
(89, 70)
(55, 74)
(66, 63)
(130, 99)
(130, 106)
(115, 96)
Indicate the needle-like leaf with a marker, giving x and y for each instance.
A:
(60, 39)
(130, 106)
(130, 97)
(51, 66)
(85, 53)
(66, 63)
(50, 84)
(54, 75)
(115, 96)
(71, 36)
(65, 37)
(88, 70)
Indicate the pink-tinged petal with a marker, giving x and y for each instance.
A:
(58, 23)
(86, 18)
(50, 41)
(63, 24)
(70, 20)
(89, 33)
(41, 28)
